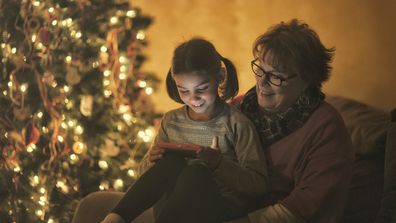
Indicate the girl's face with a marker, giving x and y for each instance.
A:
(273, 98)
(199, 93)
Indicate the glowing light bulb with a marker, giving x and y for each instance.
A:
(142, 84)
(103, 164)
(131, 13)
(106, 73)
(118, 184)
(103, 49)
(113, 20)
(140, 35)
(149, 90)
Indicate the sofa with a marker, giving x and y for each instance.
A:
(372, 196)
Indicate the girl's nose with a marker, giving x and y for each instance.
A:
(194, 98)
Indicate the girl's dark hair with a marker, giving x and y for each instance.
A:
(295, 48)
(200, 56)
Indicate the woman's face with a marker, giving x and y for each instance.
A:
(273, 98)
(199, 93)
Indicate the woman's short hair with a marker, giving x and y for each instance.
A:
(295, 48)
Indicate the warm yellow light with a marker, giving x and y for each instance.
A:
(31, 147)
(39, 213)
(131, 173)
(40, 114)
(34, 37)
(103, 49)
(66, 88)
(142, 84)
(51, 10)
(131, 13)
(68, 59)
(24, 87)
(54, 22)
(149, 90)
(118, 184)
(79, 130)
(106, 73)
(36, 3)
(10, 84)
(60, 139)
(113, 20)
(106, 82)
(122, 76)
(78, 35)
(42, 190)
(140, 35)
(123, 59)
(13, 50)
(107, 93)
(103, 164)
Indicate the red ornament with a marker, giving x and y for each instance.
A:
(32, 134)
(45, 36)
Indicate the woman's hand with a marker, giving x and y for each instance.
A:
(155, 153)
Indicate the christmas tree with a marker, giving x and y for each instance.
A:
(75, 111)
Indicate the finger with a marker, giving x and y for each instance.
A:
(215, 143)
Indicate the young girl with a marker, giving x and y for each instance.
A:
(220, 182)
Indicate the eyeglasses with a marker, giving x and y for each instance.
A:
(270, 77)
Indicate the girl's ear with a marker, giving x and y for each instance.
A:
(222, 75)
(222, 81)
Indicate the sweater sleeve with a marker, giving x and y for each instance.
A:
(276, 213)
(322, 182)
(249, 175)
(145, 163)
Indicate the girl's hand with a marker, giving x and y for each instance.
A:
(211, 156)
(155, 154)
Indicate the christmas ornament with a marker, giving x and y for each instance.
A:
(109, 148)
(72, 76)
(45, 36)
(31, 134)
(86, 105)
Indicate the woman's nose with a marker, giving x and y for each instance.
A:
(263, 80)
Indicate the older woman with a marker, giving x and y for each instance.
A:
(307, 144)
(308, 147)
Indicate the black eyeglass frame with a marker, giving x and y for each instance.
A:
(269, 74)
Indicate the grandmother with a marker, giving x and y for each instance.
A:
(308, 147)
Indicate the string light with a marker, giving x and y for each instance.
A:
(13, 50)
(142, 84)
(122, 76)
(54, 22)
(104, 185)
(23, 87)
(118, 184)
(131, 173)
(131, 13)
(106, 82)
(107, 93)
(68, 59)
(149, 90)
(36, 3)
(79, 130)
(34, 37)
(31, 147)
(51, 10)
(113, 20)
(103, 49)
(140, 35)
(122, 59)
(106, 73)
(103, 164)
